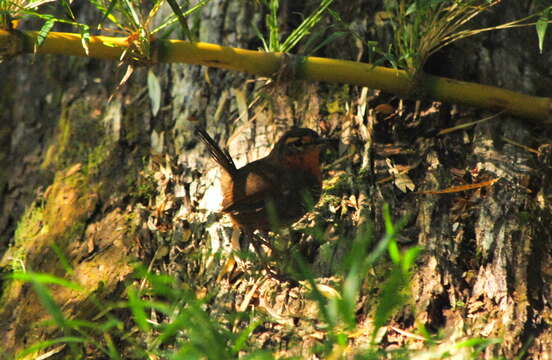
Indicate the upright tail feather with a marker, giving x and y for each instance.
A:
(221, 157)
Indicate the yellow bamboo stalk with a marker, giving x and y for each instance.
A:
(308, 68)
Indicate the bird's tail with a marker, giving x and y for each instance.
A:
(221, 157)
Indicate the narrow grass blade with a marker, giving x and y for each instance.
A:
(47, 343)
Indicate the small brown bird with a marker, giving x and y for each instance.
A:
(271, 190)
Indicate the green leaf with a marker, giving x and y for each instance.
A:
(306, 271)
(389, 228)
(272, 25)
(111, 348)
(85, 38)
(541, 26)
(49, 304)
(154, 91)
(261, 37)
(182, 19)
(305, 27)
(67, 5)
(137, 307)
(107, 12)
(244, 335)
(391, 298)
(44, 279)
(411, 9)
(171, 329)
(478, 342)
(394, 252)
(110, 324)
(62, 258)
(329, 39)
(173, 18)
(131, 13)
(45, 30)
(410, 256)
(47, 343)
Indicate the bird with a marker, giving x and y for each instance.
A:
(273, 191)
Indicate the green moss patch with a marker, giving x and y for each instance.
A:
(58, 237)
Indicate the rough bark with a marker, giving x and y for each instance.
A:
(486, 267)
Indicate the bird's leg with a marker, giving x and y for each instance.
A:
(263, 241)
(235, 243)
(258, 241)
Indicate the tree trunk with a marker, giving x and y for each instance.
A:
(107, 183)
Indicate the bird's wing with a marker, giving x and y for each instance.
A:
(255, 183)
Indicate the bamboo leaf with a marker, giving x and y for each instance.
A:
(328, 40)
(67, 5)
(261, 37)
(45, 30)
(132, 14)
(85, 38)
(173, 18)
(107, 12)
(272, 24)
(305, 27)
(154, 91)
(541, 26)
(178, 12)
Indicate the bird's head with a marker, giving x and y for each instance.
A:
(299, 148)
